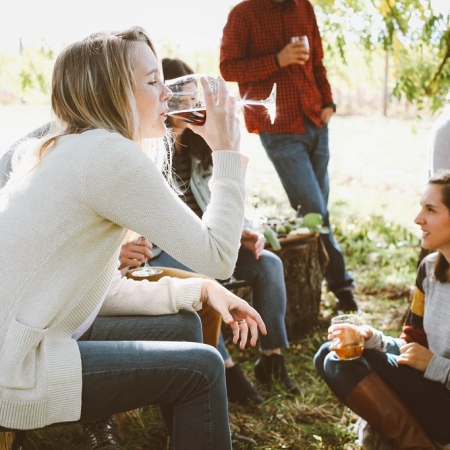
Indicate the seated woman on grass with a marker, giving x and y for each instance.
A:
(401, 386)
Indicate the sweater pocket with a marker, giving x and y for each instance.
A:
(18, 356)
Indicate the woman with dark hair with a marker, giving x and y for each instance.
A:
(401, 386)
(192, 170)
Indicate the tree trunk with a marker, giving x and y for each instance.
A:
(305, 260)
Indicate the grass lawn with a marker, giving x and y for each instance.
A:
(378, 169)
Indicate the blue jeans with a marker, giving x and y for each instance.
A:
(428, 400)
(269, 293)
(301, 161)
(126, 365)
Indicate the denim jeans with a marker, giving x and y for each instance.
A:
(126, 365)
(428, 400)
(301, 161)
(269, 293)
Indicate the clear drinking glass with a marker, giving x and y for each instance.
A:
(146, 270)
(303, 39)
(188, 102)
(349, 344)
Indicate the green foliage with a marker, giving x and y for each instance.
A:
(417, 38)
(384, 253)
(35, 73)
(9, 84)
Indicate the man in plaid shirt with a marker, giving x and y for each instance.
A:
(257, 50)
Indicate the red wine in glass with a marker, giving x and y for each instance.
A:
(196, 116)
(188, 103)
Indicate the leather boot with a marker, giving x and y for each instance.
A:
(101, 435)
(376, 402)
(239, 389)
(269, 369)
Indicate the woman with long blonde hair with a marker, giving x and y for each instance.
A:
(77, 342)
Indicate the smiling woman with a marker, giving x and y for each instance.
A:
(409, 375)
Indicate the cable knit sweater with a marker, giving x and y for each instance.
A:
(62, 226)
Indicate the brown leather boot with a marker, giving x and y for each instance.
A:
(376, 402)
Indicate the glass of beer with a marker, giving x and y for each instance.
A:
(348, 343)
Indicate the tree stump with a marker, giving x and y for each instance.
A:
(305, 260)
(10, 440)
(6, 440)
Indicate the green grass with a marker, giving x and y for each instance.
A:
(378, 168)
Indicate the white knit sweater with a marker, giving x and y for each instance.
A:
(61, 228)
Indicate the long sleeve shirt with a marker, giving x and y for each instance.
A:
(426, 323)
(62, 226)
(256, 30)
(430, 308)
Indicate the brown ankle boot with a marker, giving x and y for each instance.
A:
(376, 402)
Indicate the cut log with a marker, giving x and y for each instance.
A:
(305, 260)
(6, 440)
(10, 440)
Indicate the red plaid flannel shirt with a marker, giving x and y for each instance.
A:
(255, 32)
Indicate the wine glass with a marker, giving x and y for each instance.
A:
(188, 102)
(146, 270)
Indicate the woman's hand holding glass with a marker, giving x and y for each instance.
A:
(346, 336)
(195, 96)
(134, 253)
(222, 130)
(235, 312)
(146, 270)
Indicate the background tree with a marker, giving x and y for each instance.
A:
(414, 35)
(401, 49)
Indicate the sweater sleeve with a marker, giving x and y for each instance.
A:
(387, 344)
(439, 370)
(165, 296)
(413, 330)
(124, 186)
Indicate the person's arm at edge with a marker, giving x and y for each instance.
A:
(5, 161)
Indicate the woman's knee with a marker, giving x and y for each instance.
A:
(188, 326)
(208, 361)
(270, 263)
(319, 357)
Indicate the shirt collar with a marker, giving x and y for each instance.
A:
(285, 4)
